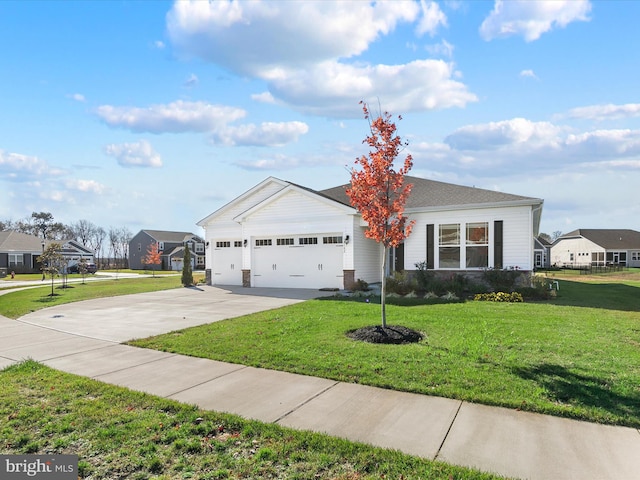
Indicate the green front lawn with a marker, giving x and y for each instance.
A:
(18, 303)
(577, 356)
(117, 433)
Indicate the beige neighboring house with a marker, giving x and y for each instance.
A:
(597, 247)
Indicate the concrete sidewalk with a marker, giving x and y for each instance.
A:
(83, 338)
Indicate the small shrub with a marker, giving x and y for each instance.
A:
(360, 286)
(400, 283)
(512, 297)
(501, 280)
(424, 277)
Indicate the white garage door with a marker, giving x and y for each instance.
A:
(299, 261)
(227, 262)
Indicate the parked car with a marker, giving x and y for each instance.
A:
(91, 268)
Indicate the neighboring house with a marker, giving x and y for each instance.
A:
(279, 234)
(597, 247)
(171, 245)
(19, 251)
(541, 253)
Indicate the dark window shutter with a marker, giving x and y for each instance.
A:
(497, 244)
(430, 246)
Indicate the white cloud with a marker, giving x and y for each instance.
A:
(191, 81)
(176, 117)
(159, 44)
(227, 32)
(318, 73)
(432, 18)
(443, 49)
(531, 19)
(86, 186)
(16, 167)
(528, 74)
(78, 97)
(266, 134)
(509, 133)
(605, 143)
(138, 154)
(334, 89)
(264, 97)
(606, 112)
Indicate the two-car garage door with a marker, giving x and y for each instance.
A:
(298, 261)
(294, 261)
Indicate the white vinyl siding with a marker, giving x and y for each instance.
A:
(517, 234)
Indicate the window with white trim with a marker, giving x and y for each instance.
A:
(285, 241)
(449, 240)
(16, 259)
(477, 245)
(263, 242)
(199, 247)
(237, 243)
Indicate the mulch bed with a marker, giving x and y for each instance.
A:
(392, 334)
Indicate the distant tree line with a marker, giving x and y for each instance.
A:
(110, 247)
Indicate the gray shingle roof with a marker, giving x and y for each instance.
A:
(610, 239)
(430, 193)
(11, 241)
(169, 237)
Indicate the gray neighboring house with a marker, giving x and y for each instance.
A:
(541, 253)
(171, 245)
(19, 252)
(597, 247)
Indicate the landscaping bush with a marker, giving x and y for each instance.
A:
(501, 280)
(400, 283)
(512, 297)
(360, 286)
(539, 289)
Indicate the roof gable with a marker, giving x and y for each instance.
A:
(247, 200)
(292, 188)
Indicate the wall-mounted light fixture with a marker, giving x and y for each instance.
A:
(207, 244)
(346, 240)
(245, 242)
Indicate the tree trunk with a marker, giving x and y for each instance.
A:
(383, 287)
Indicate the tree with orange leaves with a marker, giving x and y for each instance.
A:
(378, 190)
(153, 256)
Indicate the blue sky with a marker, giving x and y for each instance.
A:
(144, 114)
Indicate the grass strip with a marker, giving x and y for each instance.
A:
(118, 433)
(21, 302)
(559, 358)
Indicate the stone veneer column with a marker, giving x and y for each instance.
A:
(246, 278)
(207, 277)
(349, 279)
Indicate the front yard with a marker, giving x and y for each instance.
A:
(577, 356)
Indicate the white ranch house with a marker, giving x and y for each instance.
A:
(597, 247)
(279, 234)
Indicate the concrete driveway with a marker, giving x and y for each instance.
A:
(118, 319)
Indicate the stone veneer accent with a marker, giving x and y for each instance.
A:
(246, 278)
(207, 277)
(349, 279)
